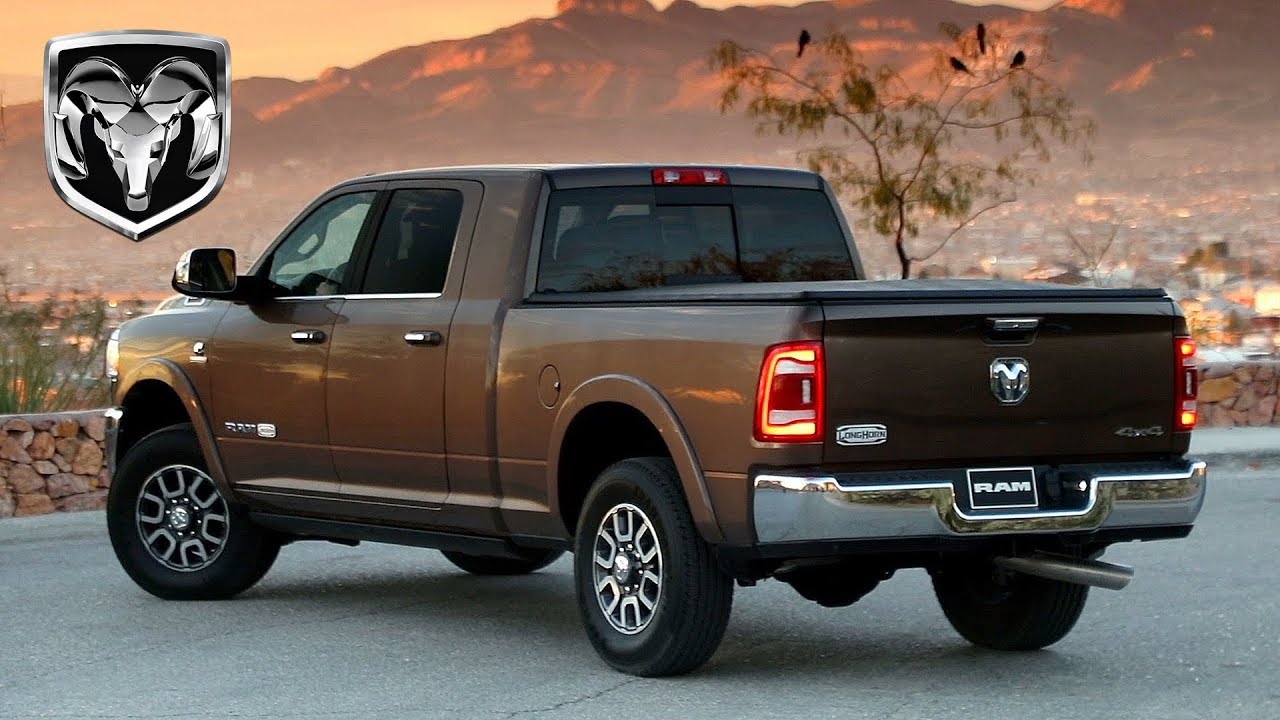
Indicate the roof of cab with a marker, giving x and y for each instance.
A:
(565, 176)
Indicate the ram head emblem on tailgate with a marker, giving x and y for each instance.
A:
(1010, 380)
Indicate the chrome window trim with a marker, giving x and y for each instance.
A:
(395, 296)
(364, 296)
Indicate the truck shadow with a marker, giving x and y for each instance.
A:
(771, 638)
(446, 601)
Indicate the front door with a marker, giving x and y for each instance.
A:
(267, 359)
(386, 376)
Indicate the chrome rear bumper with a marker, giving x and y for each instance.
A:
(790, 508)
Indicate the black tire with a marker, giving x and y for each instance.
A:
(692, 602)
(529, 562)
(244, 555)
(1007, 611)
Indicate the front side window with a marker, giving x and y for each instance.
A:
(314, 258)
(415, 242)
(620, 238)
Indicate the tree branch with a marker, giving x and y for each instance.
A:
(831, 105)
(944, 118)
(962, 225)
(1043, 115)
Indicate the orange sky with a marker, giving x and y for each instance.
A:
(267, 37)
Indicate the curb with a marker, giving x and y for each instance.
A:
(1268, 459)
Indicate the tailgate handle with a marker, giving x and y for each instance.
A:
(1008, 325)
(1015, 331)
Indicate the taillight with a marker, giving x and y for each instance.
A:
(789, 400)
(689, 176)
(1188, 380)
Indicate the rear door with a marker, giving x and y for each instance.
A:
(386, 372)
(935, 382)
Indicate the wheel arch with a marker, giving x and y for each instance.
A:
(640, 419)
(155, 395)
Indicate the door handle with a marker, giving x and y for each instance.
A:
(423, 337)
(307, 337)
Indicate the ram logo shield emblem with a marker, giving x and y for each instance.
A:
(1010, 380)
(137, 125)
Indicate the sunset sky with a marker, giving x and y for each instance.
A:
(293, 39)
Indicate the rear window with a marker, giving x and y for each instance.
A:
(621, 238)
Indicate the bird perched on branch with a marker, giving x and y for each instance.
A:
(805, 39)
(982, 38)
(1019, 59)
(958, 65)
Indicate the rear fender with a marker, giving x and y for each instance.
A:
(646, 399)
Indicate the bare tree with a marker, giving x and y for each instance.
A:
(899, 156)
(1095, 243)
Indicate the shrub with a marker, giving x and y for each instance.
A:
(51, 352)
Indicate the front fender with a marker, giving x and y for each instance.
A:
(646, 399)
(168, 372)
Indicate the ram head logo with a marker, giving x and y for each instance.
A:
(1010, 380)
(137, 122)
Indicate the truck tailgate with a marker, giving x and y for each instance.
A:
(912, 378)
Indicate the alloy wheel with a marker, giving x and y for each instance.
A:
(182, 518)
(627, 564)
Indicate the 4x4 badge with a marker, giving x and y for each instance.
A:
(137, 125)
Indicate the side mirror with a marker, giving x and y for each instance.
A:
(206, 272)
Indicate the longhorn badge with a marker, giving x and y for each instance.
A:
(135, 121)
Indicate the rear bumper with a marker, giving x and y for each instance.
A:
(790, 508)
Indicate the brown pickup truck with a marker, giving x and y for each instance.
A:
(676, 373)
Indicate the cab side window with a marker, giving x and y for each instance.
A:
(414, 244)
(314, 258)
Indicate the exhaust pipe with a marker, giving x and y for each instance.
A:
(1081, 572)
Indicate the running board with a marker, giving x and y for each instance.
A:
(306, 528)
(1081, 572)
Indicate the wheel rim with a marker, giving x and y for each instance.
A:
(627, 564)
(182, 518)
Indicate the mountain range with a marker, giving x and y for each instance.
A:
(1172, 83)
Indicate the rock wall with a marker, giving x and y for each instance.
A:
(1239, 394)
(57, 462)
(52, 462)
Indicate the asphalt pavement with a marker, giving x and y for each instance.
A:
(1256, 446)
(388, 633)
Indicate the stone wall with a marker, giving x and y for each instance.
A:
(53, 462)
(1240, 394)
(56, 462)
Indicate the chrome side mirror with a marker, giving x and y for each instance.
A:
(206, 272)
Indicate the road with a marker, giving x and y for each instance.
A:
(388, 633)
